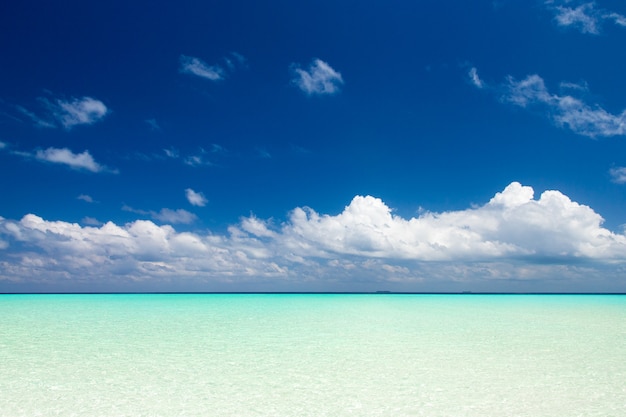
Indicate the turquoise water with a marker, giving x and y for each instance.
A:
(312, 355)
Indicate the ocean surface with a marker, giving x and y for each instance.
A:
(312, 355)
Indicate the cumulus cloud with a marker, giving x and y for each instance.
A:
(320, 78)
(618, 175)
(585, 17)
(195, 198)
(82, 160)
(513, 237)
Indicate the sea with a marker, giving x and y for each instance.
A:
(312, 355)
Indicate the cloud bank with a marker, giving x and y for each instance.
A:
(320, 78)
(513, 237)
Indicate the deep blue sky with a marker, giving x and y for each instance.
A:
(214, 122)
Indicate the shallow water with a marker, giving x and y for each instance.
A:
(312, 355)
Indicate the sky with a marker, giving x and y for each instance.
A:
(313, 146)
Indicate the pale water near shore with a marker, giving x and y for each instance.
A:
(312, 355)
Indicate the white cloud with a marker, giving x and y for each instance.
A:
(67, 113)
(195, 198)
(195, 66)
(319, 79)
(178, 216)
(618, 175)
(474, 78)
(617, 18)
(583, 16)
(65, 156)
(513, 237)
(165, 215)
(81, 111)
(565, 110)
(86, 198)
(2, 145)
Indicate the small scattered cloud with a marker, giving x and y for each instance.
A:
(153, 124)
(178, 216)
(585, 17)
(171, 153)
(618, 175)
(82, 111)
(80, 161)
(320, 78)
(196, 66)
(474, 78)
(86, 198)
(196, 160)
(66, 113)
(3, 145)
(565, 110)
(165, 215)
(195, 198)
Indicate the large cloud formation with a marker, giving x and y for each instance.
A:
(512, 237)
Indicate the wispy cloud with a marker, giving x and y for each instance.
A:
(194, 160)
(153, 124)
(585, 17)
(564, 109)
(178, 216)
(320, 78)
(66, 113)
(196, 66)
(618, 175)
(514, 236)
(80, 161)
(86, 198)
(38, 121)
(3, 145)
(474, 78)
(83, 111)
(165, 215)
(195, 198)
(90, 221)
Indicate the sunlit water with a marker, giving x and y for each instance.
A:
(312, 355)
